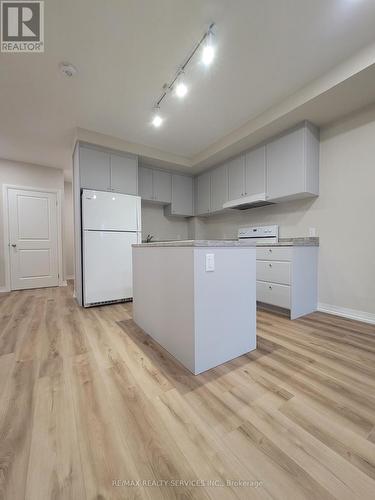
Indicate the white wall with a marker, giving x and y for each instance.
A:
(68, 234)
(28, 175)
(161, 227)
(344, 215)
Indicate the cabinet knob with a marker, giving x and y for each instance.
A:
(270, 250)
(270, 265)
(270, 287)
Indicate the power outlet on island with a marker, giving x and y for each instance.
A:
(210, 262)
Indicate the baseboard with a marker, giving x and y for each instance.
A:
(4, 289)
(69, 277)
(63, 283)
(363, 316)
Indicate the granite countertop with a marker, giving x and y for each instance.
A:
(283, 242)
(198, 243)
(293, 242)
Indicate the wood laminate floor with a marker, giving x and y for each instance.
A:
(87, 399)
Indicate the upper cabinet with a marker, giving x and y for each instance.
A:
(107, 171)
(236, 178)
(255, 171)
(211, 190)
(203, 194)
(293, 164)
(182, 196)
(155, 185)
(146, 190)
(124, 174)
(247, 174)
(162, 183)
(219, 187)
(94, 169)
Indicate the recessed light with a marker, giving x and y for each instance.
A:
(181, 90)
(67, 69)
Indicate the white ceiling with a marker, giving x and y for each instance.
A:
(126, 49)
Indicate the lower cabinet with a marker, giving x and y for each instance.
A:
(274, 294)
(287, 277)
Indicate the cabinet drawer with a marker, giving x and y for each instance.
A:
(274, 253)
(274, 271)
(274, 294)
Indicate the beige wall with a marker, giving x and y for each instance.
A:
(26, 175)
(68, 233)
(162, 228)
(343, 215)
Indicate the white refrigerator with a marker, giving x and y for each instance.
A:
(111, 223)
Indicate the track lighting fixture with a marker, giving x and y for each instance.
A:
(179, 87)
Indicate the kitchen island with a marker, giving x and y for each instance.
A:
(197, 299)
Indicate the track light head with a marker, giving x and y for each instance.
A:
(181, 89)
(157, 120)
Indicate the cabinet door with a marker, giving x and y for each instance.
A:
(182, 195)
(94, 168)
(255, 171)
(124, 174)
(285, 165)
(203, 194)
(219, 187)
(162, 184)
(145, 183)
(236, 178)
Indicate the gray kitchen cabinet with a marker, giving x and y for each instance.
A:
(255, 171)
(182, 196)
(293, 164)
(155, 185)
(145, 183)
(236, 178)
(162, 184)
(203, 194)
(106, 171)
(219, 187)
(124, 174)
(94, 169)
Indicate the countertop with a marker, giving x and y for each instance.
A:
(198, 243)
(283, 242)
(292, 242)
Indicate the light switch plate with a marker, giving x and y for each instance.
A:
(312, 232)
(210, 262)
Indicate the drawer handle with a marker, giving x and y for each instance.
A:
(270, 265)
(270, 287)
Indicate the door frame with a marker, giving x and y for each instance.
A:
(59, 211)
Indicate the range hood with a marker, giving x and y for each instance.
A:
(246, 202)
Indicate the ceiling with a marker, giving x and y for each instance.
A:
(125, 50)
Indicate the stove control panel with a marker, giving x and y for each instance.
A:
(266, 233)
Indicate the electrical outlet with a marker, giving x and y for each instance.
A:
(210, 262)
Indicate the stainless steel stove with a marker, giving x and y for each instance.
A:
(260, 234)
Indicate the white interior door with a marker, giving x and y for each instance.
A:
(33, 239)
